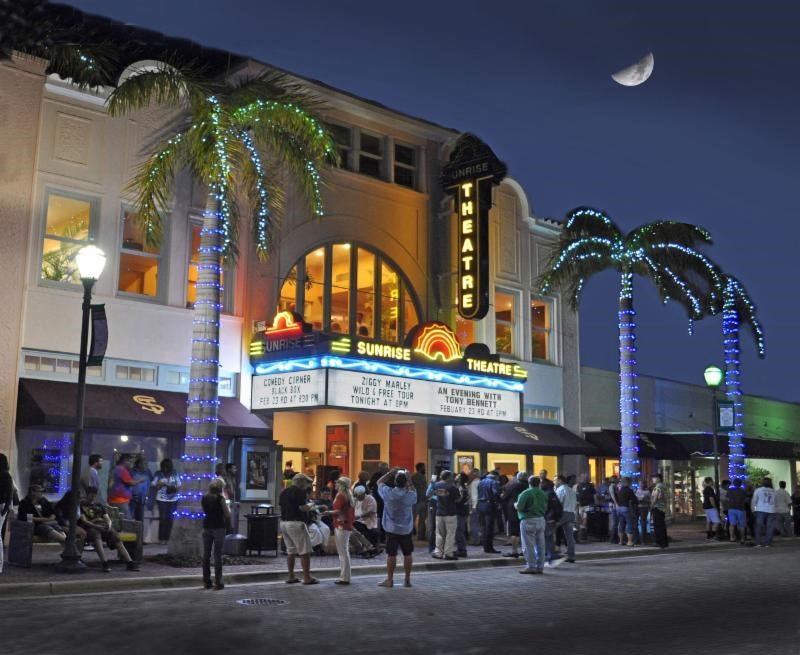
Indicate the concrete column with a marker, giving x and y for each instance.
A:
(21, 87)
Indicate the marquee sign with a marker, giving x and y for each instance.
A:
(472, 171)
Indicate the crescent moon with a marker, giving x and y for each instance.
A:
(636, 74)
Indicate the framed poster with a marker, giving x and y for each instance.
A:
(466, 463)
(256, 471)
(372, 451)
(337, 446)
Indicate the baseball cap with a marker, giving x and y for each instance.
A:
(301, 476)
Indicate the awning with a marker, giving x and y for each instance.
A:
(703, 444)
(652, 445)
(522, 438)
(49, 403)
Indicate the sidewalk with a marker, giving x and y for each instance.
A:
(42, 579)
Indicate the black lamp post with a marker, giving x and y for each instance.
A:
(90, 260)
(713, 377)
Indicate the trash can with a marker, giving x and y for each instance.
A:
(235, 545)
(262, 529)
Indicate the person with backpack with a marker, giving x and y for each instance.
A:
(446, 496)
(509, 496)
(488, 496)
(552, 516)
(586, 494)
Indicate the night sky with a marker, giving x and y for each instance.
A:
(712, 138)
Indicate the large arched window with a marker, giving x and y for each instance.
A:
(345, 287)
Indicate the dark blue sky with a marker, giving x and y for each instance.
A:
(712, 138)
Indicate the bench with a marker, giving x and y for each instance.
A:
(22, 539)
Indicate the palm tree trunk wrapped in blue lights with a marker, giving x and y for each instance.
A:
(663, 252)
(220, 139)
(737, 308)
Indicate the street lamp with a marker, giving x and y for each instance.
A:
(90, 261)
(713, 376)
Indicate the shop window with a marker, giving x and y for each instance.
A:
(225, 294)
(343, 138)
(139, 261)
(69, 225)
(548, 463)
(405, 166)
(337, 299)
(541, 329)
(370, 157)
(541, 414)
(505, 312)
(135, 373)
(177, 378)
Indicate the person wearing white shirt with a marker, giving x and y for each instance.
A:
(474, 514)
(569, 503)
(763, 506)
(783, 504)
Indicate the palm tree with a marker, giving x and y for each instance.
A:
(663, 252)
(221, 135)
(737, 308)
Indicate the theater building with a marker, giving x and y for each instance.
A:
(376, 289)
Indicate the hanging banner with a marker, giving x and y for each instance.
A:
(99, 336)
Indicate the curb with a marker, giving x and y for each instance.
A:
(67, 587)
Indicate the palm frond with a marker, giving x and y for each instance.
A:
(585, 221)
(85, 64)
(165, 85)
(737, 298)
(683, 234)
(270, 85)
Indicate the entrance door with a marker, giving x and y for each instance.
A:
(401, 445)
(337, 447)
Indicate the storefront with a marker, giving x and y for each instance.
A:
(350, 403)
(128, 420)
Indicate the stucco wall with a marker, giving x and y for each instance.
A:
(21, 84)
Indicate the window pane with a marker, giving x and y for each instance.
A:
(369, 166)
(404, 177)
(405, 155)
(465, 331)
(365, 294)
(68, 217)
(288, 297)
(340, 134)
(504, 312)
(539, 315)
(315, 288)
(409, 311)
(58, 261)
(540, 349)
(371, 144)
(133, 234)
(138, 274)
(340, 288)
(390, 300)
(540, 329)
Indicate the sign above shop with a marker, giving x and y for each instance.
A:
(432, 345)
(469, 175)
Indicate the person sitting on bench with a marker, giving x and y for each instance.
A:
(41, 512)
(97, 523)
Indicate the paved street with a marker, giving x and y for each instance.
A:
(732, 601)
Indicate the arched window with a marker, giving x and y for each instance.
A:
(347, 288)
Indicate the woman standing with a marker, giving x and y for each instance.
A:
(344, 514)
(142, 487)
(166, 483)
(217, 517)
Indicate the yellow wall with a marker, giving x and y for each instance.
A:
(495, 459)
(547, 462)
(307, 430)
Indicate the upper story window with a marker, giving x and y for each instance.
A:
(505, 321)
(69, 225)
(138, 261)
(542, 329)
(343, 137)
(342, 287)
(405, 165)
(370, 156)
(225, 277)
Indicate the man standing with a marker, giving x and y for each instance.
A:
(531, 506)
(567, 498)
(763, 505)
(544, 482)
(509, 496)
(446, 496)
(658, 510)
(474, 514)
(90, 476)
(420, 483)
(613, 503)
(737, 517)
(711, 508)
(488, 495)
(783, 503)
(217, 516)
(120, 494)
(372, 487)
(585, 493)
(398, 521)
(294, 506)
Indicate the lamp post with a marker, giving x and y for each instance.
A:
(90, 260)
(713, 376)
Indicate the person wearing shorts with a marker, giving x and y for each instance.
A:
(737, 516)
(399, 497)
(294, 506)
(711, 508)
